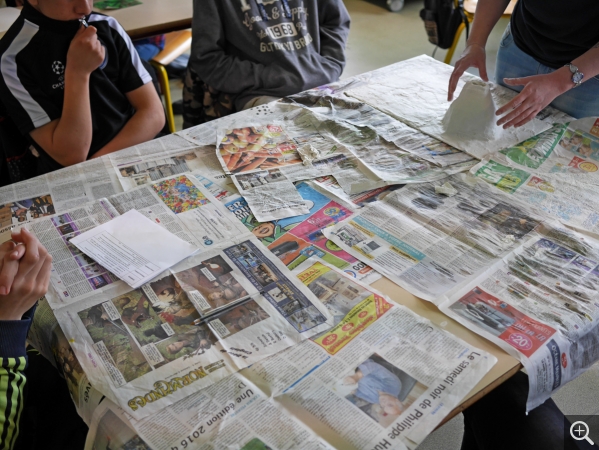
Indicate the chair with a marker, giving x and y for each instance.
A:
(176, 44)
(458, 34)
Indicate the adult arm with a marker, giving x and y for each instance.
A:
(144, 125)
(16, 313)
(540, 90)
(334, 31)
(487, 13)
(67, 139)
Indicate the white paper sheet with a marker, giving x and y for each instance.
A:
(133, 248)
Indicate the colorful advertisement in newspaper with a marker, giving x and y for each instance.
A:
(295, 239)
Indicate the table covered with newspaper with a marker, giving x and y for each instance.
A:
(271, 336)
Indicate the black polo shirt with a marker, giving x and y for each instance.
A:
(33, 56)
(555, 32)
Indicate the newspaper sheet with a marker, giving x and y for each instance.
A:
(56, 192)
(136, 170)
(359, 120)
(179, 204)
(383, 376)
(295, 239)
(254, 157)
(516, 277)
(570, 148)
(415, 92)
(539, 304)
(430, 243)
(46, 336)
(569, 198)
(318, 135)
(555, 173)
(208, 317)
(230, 414)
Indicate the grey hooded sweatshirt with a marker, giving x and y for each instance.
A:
(251, 48)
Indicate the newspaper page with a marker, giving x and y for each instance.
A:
(46, 336)
(554, 172)
(185, 207)
(569, 198)
(398, 91)
(383, 376)
(73, 274)
(539, 304)
(357, 125)
(430, 243)
(255, 157)
(135, 169)
(570, 148)
(56, 192)
(232, 413)
(207, 317)
(358, 391)
(109, 430)
(486, 260)
(295, 239)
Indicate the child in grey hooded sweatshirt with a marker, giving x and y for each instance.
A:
(247, 52)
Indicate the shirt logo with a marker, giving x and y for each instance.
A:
(58, 67)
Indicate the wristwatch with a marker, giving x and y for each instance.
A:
(576, 75)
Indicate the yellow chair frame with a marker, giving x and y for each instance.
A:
(176, 44)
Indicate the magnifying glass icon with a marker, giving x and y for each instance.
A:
(580, 432)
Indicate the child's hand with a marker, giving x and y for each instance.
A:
(30, 282)
(86, 52)
(10, 253)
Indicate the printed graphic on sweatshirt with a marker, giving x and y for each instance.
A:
(288, 33)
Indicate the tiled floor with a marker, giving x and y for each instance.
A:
(379, 38)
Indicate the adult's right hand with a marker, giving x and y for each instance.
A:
(31, 279)
(473, 56)
(86, 52)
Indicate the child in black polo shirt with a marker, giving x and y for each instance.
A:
(76, 91)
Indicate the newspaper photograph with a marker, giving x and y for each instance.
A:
(295, 239)
(209, 316)
(396, 91)
(429, 242)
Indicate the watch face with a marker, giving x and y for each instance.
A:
(577, 77)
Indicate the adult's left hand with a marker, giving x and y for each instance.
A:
(538, 92)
